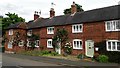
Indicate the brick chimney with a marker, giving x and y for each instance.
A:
(73, 8)
(36, 15)
(52, 12)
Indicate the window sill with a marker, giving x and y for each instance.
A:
(49, 47)
(50, 33)
(76, 32)
(112, 30)
(114, 50)
(77, 48)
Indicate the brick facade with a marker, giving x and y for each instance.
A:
(92, 30)
(22, 36)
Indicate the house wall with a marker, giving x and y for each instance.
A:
(91, 31)
(22, 36)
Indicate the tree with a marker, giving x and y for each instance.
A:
(68, 10)
(60, 36)
(32, 40)
(11, 18)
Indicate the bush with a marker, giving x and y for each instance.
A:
(103, 58)
(80, 56)
(38, 53)
(114, 56)
(45, 52)
(54, 53)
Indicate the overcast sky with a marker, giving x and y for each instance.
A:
(26, 8)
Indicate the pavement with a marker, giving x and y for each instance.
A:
(64, 62)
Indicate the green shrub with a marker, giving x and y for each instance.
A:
(45, 52)
(54, 53)
(103, 58)
(80, 56)
(114, 56)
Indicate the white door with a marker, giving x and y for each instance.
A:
(10, 45)
(89, 48)
(58, 49)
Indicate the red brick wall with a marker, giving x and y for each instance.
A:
(22, 35)
(91, 31)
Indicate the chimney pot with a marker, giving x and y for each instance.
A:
(73, 8)
(36, 15)
(52, 12)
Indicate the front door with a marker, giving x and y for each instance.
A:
(10, 45)
(58, 48)
(89, 48)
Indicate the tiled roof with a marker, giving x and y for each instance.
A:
(17, 25)
(101, 14)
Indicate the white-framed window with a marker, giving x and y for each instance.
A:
(11, 32)
(21, 43)
(77, 28)
(28, 43)
(50, 30)
(10, 45)
(29, 32)
(77, 44)
(113, 45)
(37, 43)
(49, 43)
(113, 25)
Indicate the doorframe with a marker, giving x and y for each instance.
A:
(59, 48)
(85, 46)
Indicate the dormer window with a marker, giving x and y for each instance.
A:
(50, 30)
(29, 33)
(11, 32)
(77, 28)
(113, 25)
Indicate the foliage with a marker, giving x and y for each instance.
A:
(68, 48)
(103, 58)
(114, 56)
(16, 38)
(1, 22)
(61, 36)
(41, 47)
(32, 40)
(11, 18)
(54, 53)
(80, 56)
(38, 53)
(68, 10)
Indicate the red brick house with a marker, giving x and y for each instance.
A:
(85, 29)
(11, 32)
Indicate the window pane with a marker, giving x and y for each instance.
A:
(113, 24)
(80, 44)
(74, 28)
(117, 24)
(108, 25)
(80, 27)
(75, 44)
(109, 45)
(113, 45)
(77, 27)
(118, 45)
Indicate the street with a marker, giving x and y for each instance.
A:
(21, 61)
(12, 61)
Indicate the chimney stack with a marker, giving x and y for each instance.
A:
(36, 15)
(52, 12)
(73, 8)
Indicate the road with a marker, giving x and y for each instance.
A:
(19, 61)
(12, 61)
